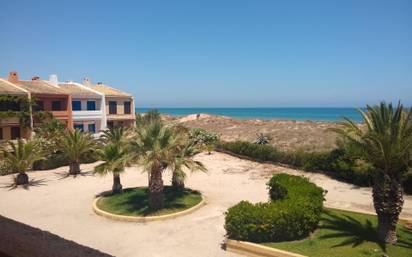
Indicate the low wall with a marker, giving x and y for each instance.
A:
(20, 240)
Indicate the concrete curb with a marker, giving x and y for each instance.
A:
(117, 217)
(257, 250)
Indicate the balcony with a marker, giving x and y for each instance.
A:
(60, 114)
(87, 115)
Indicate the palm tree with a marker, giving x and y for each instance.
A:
(115, 160)
(74, 144)
(184, 159)
(21, 158)
(386, 143)
(155, 147)
(118, 135)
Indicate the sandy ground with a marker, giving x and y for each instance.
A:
(285, 134)
(63, 206)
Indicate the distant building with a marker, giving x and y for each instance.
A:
(88, 106)
(49, 98)
(119, 105)
(10, 125)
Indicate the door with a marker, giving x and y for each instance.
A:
(92, 128)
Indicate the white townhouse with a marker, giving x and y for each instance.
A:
(88, 106)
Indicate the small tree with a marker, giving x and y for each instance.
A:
(155, 147)
(115, 160)
(184, 159)
(21, 158)
(386, 143)
(204, 138)
(74, 144)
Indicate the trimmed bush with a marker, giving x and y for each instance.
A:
(290, 218)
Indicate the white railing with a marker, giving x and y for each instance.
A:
(98, 114)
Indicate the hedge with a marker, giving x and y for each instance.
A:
(340, 163)
(293, 217)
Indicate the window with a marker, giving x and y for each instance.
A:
(110, 124)
(1, 133)
(76, 106)
(15, 133)
(91, 105)
(112, 107)
(79, 127)
(39, 106)
(92, 128)
(56, 105)
(9, 106)
(127, 108)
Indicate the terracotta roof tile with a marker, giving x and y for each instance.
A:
(7, 87)
(76, 90)
(109, 91)
(40, 87)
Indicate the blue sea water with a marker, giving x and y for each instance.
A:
(314, 114)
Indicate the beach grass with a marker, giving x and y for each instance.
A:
(348, 234)
(135, 202)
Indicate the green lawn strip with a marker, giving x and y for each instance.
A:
(134, 202)
(348, 234)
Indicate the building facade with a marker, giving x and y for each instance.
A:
(88, 106)
(120, 110)
(11, 124)
(48, 98)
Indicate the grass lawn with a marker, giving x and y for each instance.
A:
(134, 202)
(348, 234)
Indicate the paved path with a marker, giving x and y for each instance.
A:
(63, 206)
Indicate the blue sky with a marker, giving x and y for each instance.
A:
(218, 53)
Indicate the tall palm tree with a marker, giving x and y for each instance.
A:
(74, 144)
(21, 158)
(155, 147)
(115, 158)
(184, 159)
(117, 135)
(386, 143)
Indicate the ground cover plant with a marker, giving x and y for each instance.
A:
(348, 234)
(135, 201)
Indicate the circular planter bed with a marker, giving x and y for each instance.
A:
(132, 204)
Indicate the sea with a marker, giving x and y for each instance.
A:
(312, 114)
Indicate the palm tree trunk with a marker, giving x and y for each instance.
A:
(388, 202)
(177, 183)
(156, 196)
(117, 186)
(22, 178)
(74, 168)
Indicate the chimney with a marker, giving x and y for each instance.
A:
(13, 77)
(87, 82)
(53, 80)
(34, 78)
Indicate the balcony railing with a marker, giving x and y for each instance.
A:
(97, 114)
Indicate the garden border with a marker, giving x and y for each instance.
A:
(118, 217)
(257, 250)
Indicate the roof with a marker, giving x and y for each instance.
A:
(76, 90)
(40, 87)
(9, 88)
(109, 91)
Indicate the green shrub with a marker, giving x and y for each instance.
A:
(290, 218)
(57, 160)
(343, 163)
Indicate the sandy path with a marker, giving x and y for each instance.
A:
(63, 207)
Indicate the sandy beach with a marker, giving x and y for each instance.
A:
(285, 134)
(63, 206)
